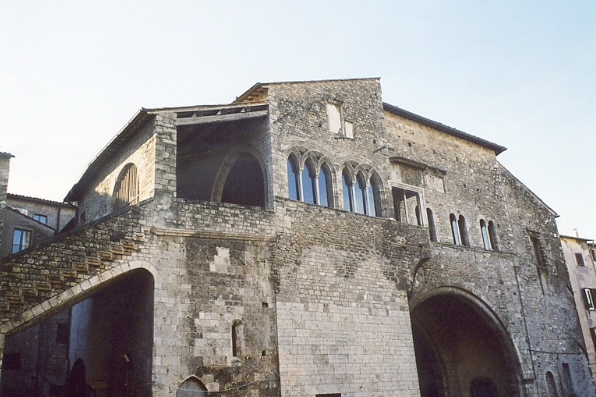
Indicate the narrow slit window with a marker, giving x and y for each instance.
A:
(237, 338)
(492, 234)
(537, 250)
(374, 207)
(431, 225)
(463, 231)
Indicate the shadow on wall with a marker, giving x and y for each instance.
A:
(108, 337)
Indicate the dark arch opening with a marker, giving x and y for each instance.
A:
(191, 387)
(245, 184)
(460, 350)
(109, 334)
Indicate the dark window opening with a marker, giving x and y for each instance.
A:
(431, 225)
(593, 335)
(579, 259)
(551, 385)
(237, 338)
(463, 231)
(21, 239)
(492, 233)
(567, 381)
(328, 395)
(126, 190)
(537, 250)
(406, 204)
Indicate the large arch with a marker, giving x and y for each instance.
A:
(105, 322)
(241, 179)
(458, 340)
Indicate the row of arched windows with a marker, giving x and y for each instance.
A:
(312, 183)
(460, 231)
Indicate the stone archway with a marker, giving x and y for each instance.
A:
(461, 347)
(108, 327)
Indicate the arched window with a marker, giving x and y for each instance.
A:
(486, 241)
(551, 385)
(463, 231)
(293, 180)
(454, 229)
(347, 191)
(492, 233)
(237, 338)
(324, 187)
(431, 225)
(126, 189)
(245, 182)
(374, 202)
(360, 194)
(308, 183)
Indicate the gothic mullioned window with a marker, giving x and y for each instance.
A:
(311, 184)
(293, 179)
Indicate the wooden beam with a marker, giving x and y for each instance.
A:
(221, 118)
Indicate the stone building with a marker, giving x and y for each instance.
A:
(580, 258)
(27, 221)
(305, 240)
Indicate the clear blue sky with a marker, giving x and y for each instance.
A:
(521, 74)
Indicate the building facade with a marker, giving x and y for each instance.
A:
(580, 258)
(307, 239)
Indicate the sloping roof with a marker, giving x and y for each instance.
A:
(37, 200)
(498, 149)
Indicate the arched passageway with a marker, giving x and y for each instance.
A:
(460, 350)
(109, 335)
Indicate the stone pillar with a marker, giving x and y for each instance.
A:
(4, 170)
(165, 164)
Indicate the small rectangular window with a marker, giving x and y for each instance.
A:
(579, 259)
(41, 218)
(593, 335)
(334, 118)
(329, 395)
(349, 129)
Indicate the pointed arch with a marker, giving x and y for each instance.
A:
(191, 387)
(308, 182)
(241, 179)
(325, 185)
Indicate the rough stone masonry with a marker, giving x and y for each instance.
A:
(307, 239)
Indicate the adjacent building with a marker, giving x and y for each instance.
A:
(306, 239)
(580, 257)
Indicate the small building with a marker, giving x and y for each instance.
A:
(28, 221)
